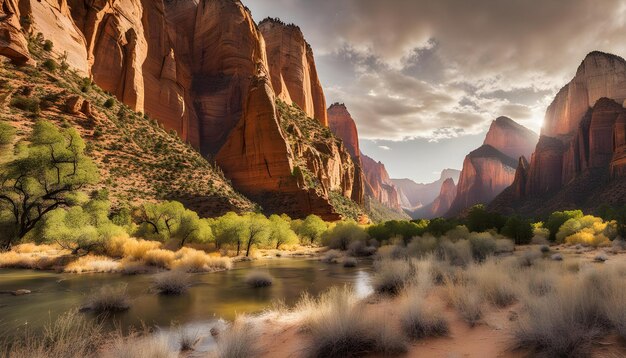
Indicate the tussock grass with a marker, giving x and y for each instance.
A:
(36, 260)
(191, 260)
(331, 257)
(159, 258)
(349, 262)
(391, 276)
(171, 283)
(338, 327)
(239, 341)
(504, 246)
(259, 279)
(69, 336)
(90, 264)
(495, 285)
(465, 300)
(419, 321)
(107, 299)
(135, 346)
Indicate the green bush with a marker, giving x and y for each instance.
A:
(520, 230)
(29, 104)
(48, 45)
(109, 103)
(7, 133)
(50, 65)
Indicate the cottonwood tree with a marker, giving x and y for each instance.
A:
(229, 229)
(312, 228)
(281, 232)
(257, 230)
(170, 220)
(48, 174)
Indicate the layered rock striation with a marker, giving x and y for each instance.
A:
(581, 150)
(201, 68)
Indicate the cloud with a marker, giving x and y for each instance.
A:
(443, 69)
(384, 147)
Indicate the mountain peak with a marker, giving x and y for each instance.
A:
(511, 138)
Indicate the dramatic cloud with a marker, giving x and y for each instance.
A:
(446, 68)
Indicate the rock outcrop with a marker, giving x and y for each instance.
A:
(414, 195)
(581, 152)
(201, 68)
(378, 184)
(490, 169)
(442, 204)
(292, 68)
(342, 124)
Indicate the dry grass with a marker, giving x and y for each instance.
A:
(493, 281)
(69, 336)
(239, 341)
(338, 327)
(135, 346)
(331, 257)
(349, 262)
(91, 264)
(35, 260)
(191, 260)
(159, 258)
(29, 248)
(107, 300)
(418, 320)
(171, 283)
(259, 279)
(392, 275)
(466, 300)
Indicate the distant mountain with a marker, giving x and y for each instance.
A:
(440, 206)
(580, 160)
(415, 195)
(490, 169)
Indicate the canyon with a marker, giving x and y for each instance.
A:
(579, 159)
(490, 169)
(206, 71)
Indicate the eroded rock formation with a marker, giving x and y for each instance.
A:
(442, 204)
(292, 68)
(378, 184)
(414, 195)
(200, 68)
(342, 124)
(511, 138)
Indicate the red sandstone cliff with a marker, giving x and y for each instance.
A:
(378, 184)
(292, 68)
(443, 203)
(342, 124)
(579, 160)
(200, 68)
(490, 169)
(413, 195)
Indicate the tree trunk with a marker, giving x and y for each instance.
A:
(248, 249)
(238, 247)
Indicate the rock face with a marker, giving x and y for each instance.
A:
(581, 151)
(342, 124)
(378, 184)
(414, 195)
(511, 138)
(442, 204)
(201, 68)
(490, 169)
(599, 75)
(292, 68)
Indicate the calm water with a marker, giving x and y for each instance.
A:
(213, 295)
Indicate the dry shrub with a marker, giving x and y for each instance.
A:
(191, 260)
(495, 285)
(238, 341)
(465, 300)
(159, 258)
(92, 264)
(259, 279)
(529, 258)
(457, 253)
(331, 257)
(392, 275)
(171, 283)
(422, 246)
(567, 321)
(504, 246)
(70, 335)
(29, 248)
(338, 327)
(419, 321)
(12, 259)
(129, 247)
(107, 299)
(129, 267)
(135, 346)
(350, 262)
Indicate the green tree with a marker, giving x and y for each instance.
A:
(229, 229)
(46, 176)
(170, 220)
(480, 220)
(81, 229)
(558, 218)
(520, 230)
(281, 232)
(312, 228)
(257, 231)
(343, 234)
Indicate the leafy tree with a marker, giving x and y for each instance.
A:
(229, 229)
(193, 229)
(558, 218)
(312, 228)
(281, 233)
(520, 230)
(46, 176)
(170, 220)
(257, 230)
(440, 226)
(81, 229)
(7, 133)
(341, 235)
(480, 220)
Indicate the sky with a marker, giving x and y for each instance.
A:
(423, 79)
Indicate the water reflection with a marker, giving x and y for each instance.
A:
(214, 295)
